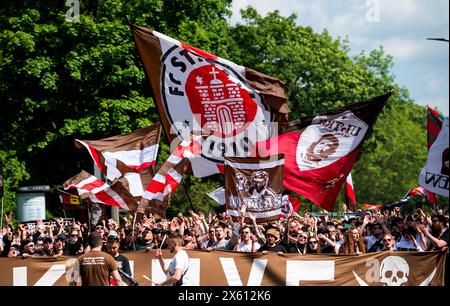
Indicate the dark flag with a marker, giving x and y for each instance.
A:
(320, 150)
(195, 91)
(257, 184)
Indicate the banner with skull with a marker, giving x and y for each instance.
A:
(320, 150)
(257, 184)
(393, 269)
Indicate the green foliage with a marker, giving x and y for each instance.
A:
(62, 80)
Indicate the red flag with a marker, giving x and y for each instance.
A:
(434, 125)
(350, 193)
(320, 151)
(423, 192)
(89, 186)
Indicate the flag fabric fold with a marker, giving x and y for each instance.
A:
(157, 193)
(197, 91)
(320, 150)
(121, 154)
(435, 175)
(89, 186)
(350, 193)
(257, 184)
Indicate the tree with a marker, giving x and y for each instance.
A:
(320, 75)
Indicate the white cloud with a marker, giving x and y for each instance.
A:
(433, 82)
(402, 29)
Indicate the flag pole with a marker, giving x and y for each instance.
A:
(132, 230)
(89, 215)
(187, 194)
(1, 216)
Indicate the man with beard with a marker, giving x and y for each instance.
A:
(179, 264)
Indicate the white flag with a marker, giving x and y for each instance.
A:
(218, 195)
(435, 175)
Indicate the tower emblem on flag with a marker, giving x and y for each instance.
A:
(222, 103)
(211, 95)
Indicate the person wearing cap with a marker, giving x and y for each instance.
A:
(272, 239)
(47, 247)
(113, 245)
(96, 267)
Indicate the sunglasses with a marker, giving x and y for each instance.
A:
(303, 237)
(30, 246)
(313, 242)
(98, 228)
(387, 240)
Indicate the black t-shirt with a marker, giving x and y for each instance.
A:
(276, 248)
(123, 263)
(444, 237)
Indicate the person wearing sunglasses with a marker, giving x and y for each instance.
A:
(313, 246)
(388, 243)
(247, 243)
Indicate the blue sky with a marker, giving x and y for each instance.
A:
(401, 26)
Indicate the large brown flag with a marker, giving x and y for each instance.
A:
(257, 184)
(199, 92)
(121, 154)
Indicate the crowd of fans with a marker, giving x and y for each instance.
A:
(374, 231)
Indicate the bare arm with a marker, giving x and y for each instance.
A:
(438, 243)
(163, 265)
(173, 279)
(116, 276)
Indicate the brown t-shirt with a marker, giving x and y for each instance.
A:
(96, 267)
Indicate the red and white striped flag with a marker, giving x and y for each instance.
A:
(168, 177)
(423, 192)
(121, 154)
(350, 193)
(89, 186)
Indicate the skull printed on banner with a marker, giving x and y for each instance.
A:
(394, 271)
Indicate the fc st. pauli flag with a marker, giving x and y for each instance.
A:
(230, 105)
(320, 150)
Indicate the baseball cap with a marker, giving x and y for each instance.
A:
(112, 235)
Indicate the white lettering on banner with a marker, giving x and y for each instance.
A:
(192, 277)
(52, 275)
(132, 267)
(20, 276)
(231, 272)
(308, 270)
